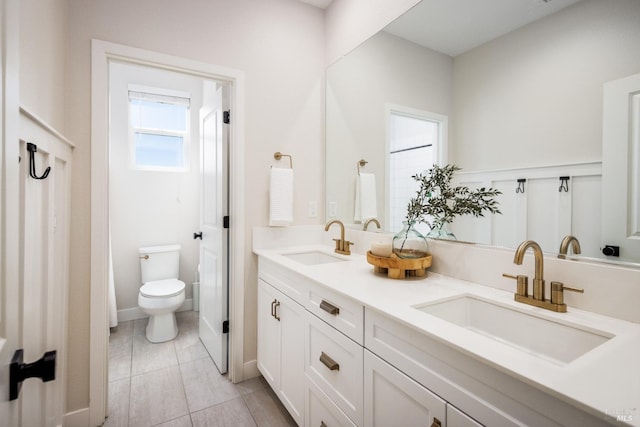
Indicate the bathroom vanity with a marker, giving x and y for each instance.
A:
(342, 345)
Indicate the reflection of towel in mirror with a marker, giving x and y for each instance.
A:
(281, 197)
(365, 206)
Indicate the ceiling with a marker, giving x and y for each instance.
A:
(322, 4)
(456, 26)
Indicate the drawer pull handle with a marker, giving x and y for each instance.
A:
(436, 423)
(275, 311)
(322, 424)
(329, 308)
(273, 308)
(329, 362)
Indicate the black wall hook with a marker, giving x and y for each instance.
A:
(32, 148)
(520, 188)
(564, 184)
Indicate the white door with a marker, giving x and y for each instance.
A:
(621, 167)
(214, 245)
(10, 325)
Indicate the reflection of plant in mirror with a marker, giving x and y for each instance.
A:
(437, 203)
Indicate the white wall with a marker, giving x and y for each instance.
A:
(149, 208)
(384, 69)
(535, 95)
(43, 55)
(279, 44)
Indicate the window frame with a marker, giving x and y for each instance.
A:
(185, 135)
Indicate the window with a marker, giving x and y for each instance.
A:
(416, 140)
(159, 129)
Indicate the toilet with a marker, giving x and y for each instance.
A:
(161, 293)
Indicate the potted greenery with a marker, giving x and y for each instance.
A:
(437, 203)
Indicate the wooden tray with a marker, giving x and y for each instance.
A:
(399, 268)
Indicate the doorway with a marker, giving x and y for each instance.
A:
(105, 54)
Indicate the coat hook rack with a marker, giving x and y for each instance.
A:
(361, 163)
(278, 155)
(520, 188)
(564, 184)
(32, 149)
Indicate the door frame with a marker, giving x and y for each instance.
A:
(102, 53)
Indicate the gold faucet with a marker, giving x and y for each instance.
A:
(369, 221)
(557, 289)
(342, 246)
(564, 246)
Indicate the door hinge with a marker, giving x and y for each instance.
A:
(225, 221)
(226, 117)
(225, 327)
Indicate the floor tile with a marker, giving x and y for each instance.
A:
(122, 333)
(204, 385)
(266, 409)
(233, 413)
(120, 360)
(187, 343)
(251, 385)
(148, 356)
(118, 403)
(178, 422)
(157, 397)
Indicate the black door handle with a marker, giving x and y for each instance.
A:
(197, 235)
(44, 368)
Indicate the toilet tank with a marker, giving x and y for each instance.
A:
(159, 262)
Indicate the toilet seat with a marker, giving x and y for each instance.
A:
(162, 288)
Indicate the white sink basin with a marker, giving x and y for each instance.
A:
(313, 258)
(544, 337)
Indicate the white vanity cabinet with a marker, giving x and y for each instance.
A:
(281, 331)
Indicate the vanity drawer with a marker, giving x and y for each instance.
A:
(342, 313)
(284, 279)
(335, 364)
(321, 411)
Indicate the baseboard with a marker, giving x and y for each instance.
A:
(136, 313)
(79, 418)
(251, 369)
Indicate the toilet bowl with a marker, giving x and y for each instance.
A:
(160, 299)
(161, 293)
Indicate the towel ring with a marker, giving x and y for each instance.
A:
(278, 155)
(361, 163)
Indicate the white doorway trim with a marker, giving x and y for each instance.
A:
(101, 54)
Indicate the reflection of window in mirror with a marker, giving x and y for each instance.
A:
(416, 140)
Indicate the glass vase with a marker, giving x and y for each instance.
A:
(409, 243)
(441, 232)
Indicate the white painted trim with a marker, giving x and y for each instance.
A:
(46, 126)
(102, 53)
(79, 418)
(251, 369)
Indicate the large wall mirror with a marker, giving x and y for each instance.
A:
(519, 86)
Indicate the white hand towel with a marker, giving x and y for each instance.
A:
(281, 197)
(365, 206)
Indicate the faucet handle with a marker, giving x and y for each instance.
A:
(557, 292)
(522, 283)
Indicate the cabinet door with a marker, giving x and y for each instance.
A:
(392, 399)
(292, 379)
(281, 328)
(268, 335)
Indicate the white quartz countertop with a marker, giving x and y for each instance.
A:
(604, 381)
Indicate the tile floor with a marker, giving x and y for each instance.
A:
(176, 384)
